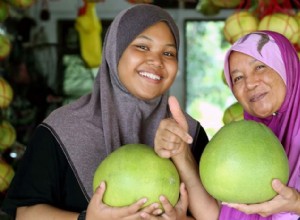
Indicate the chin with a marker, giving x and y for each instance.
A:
(147, 97)
(262, 114)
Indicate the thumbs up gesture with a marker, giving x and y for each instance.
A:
(172, 136)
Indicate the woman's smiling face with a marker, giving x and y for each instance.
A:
(148, 66)
(257, 87)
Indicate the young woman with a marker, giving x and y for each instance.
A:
(129, 99)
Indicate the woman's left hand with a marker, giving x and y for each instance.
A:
(172, 213)
(287, 200)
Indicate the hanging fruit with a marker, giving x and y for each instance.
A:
(273, 15)
(5, 46)
(8, 135)
(4, 11)
(223, 78)
(89, 28)
(297, 45)
(45, 13)
(6, 175)
(239, 24)
(23, 4)
(281, 23)
(206, 7)
(6, 93)
(227, 3)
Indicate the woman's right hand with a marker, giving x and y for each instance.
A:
(172, 136)
(100, 211)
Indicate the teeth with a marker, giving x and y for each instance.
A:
(150, 75)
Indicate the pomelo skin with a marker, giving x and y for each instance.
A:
(240, 162)
(135, 171)
(234, 112)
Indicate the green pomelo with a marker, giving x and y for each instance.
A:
(234, 112)
(240, 162)
(239, 24)
(282, 23)
(135, 171)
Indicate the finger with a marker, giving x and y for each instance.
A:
(99, 193)
(248, 209)
(167, 206)
(166, 141)
(164, 153)
(183, 202)
(147, 216)
(177, 113)
(153, 209)
(280, 188)
(179, 117)
(132, 209)
(175, 134)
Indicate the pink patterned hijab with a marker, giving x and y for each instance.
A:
(277, 52)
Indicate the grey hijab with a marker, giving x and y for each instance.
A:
(96, 124)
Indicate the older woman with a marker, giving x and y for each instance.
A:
(262, 69)
(263, 72)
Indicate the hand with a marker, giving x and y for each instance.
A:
(287, 200)
(171, 213)
(172, 134)
(98, 210)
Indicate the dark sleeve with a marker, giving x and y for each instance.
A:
(200, 141)
(44, 177)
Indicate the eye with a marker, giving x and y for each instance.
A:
(236, 79)
(142, 47)
(170, 54)
(260, 67)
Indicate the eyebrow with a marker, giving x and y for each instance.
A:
(233, 72)
(251, 62)
(148, 38)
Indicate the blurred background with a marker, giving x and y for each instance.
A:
(50, 52)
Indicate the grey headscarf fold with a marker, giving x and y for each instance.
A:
(95, 125)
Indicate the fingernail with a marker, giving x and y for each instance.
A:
(102, 184)
(190, 140)
(275, 183)
(158, 212)
(162, 198)
(155, 205)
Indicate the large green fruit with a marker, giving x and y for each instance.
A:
(234, 112)
(135, 171)
(240, 162)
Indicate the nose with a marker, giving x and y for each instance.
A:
(155, 60)
(252, 82)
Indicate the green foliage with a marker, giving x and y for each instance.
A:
(205, 51)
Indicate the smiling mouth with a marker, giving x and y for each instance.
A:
(258, 97)
(150, 76)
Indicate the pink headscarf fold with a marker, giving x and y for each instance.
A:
(280, 55)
